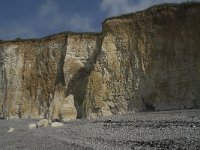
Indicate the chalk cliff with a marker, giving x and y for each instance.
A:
(149, 60)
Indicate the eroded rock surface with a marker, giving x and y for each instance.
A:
(148, 60)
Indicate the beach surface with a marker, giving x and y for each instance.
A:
(139, 131)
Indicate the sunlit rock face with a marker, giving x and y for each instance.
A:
(30, 76)
(38, 75)
(145, 61)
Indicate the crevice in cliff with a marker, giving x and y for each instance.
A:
(60, 73)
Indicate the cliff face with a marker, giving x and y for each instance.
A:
(149, 60)
(45, 78)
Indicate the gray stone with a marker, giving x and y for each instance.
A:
(11, 129)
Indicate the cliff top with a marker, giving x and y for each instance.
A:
(50, 37)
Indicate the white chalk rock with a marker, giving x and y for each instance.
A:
(32, 126)
(10, 130)
(56, 124)
(68, 110)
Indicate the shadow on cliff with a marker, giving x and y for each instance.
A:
(77, 86)
(78, 83)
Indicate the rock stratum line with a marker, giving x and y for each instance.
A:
(149, 60)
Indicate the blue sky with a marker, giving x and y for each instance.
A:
(39, 18)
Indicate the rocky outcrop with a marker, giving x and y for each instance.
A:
(143, 61)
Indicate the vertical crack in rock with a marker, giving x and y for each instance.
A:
(60, 75)
(59, 91)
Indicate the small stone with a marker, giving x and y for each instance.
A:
(56, 124)
(32, 126)
(10, 130)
